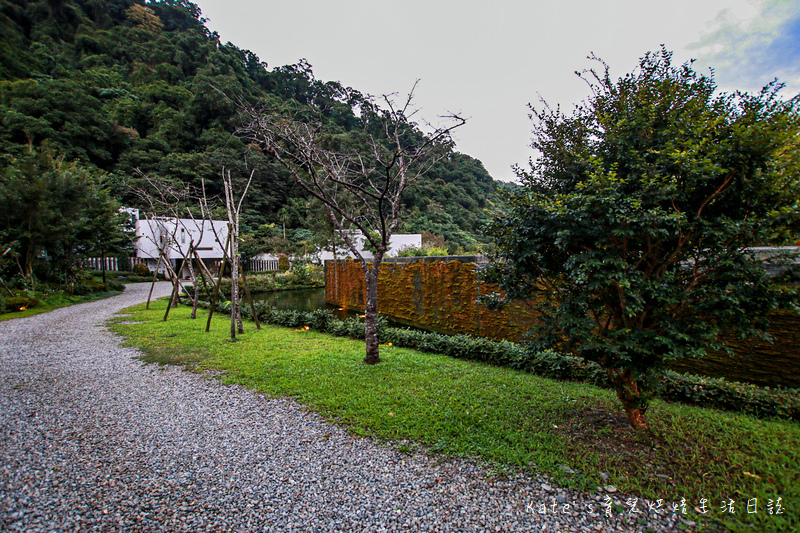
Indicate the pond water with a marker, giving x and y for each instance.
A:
(310, 300)
(302, 300)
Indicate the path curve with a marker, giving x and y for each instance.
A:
(90, 439)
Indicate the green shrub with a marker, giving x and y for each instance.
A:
(309, 275)
(115, 286)
(135, 278)
(425, 250)
(140, 269)
(20, 303)
(286, 279)
(283, 263)
(303, 277)
(731, 396)
(89, 286)
(80, 289)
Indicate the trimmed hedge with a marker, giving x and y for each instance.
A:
(685, 388)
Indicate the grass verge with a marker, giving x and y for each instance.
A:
(515, 421)
(55, 302)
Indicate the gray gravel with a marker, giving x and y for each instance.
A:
(92, 440)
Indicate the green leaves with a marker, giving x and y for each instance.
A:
(56, 209)
(636, 217)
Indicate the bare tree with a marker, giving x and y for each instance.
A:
(166, 202)
(233, 209)
(162, 200)
(359, 176)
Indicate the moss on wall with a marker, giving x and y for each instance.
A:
(441, 296)
(758, 362)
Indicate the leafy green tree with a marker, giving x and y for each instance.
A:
(438, 221)
(633, 225)
(57, 211)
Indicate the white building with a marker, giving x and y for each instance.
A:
(174, 237)
(397, 242)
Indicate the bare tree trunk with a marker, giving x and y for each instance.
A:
(627, 388)
(204, 273)
(239, 273)
(360, 189)
(216, 291)
(234, 282)
(236, 317)
(176, 287)
(371, 313)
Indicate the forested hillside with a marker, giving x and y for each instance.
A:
(117, 85)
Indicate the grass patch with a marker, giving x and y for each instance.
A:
(570, 431)
(55, 301)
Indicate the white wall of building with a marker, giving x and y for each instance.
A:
(175, 236)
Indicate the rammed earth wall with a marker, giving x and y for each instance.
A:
(440, 293)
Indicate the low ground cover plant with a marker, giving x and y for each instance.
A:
(49, 300)
(49, 295)
(575, 433)
(18, 303)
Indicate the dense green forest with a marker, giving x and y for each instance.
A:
(118, 85)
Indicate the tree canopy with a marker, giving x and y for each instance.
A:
(634, 225)
(58, 210)
(128, 84)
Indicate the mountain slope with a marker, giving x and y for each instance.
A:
(120, 85)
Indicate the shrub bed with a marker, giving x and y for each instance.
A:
(17, 303)
(89, 286)
(140, 269)
(685, 388)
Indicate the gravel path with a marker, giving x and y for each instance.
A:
(91, 440)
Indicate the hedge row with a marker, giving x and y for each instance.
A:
(686, 388)
(89, 286)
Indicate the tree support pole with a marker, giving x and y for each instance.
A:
(155, 277)
(219, 282)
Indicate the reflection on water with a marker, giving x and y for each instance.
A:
(302, 300)
(310, 300)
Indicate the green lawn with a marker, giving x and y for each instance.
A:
(513, 420)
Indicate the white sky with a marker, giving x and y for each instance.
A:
(488, 59)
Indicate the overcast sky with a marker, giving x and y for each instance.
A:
(487, 60)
